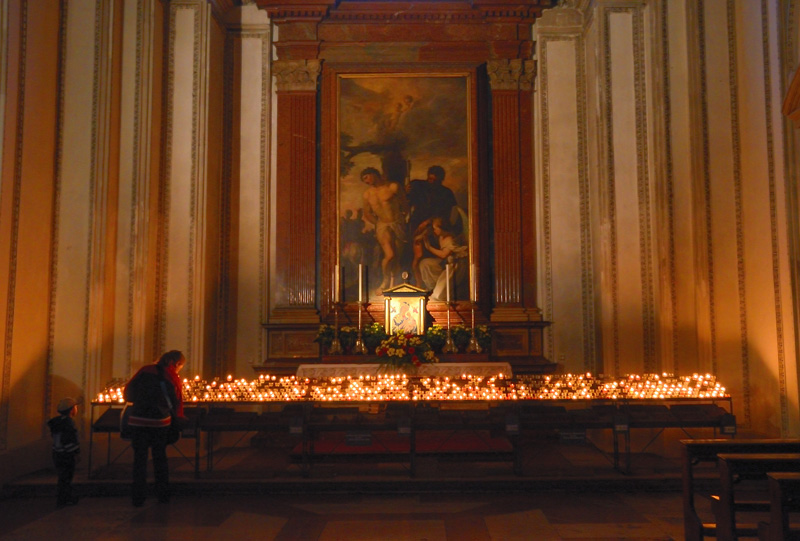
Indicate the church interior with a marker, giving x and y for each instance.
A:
(604, 189)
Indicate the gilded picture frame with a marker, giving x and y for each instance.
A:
(405, 315)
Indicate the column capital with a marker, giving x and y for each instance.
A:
(296, 75)
(511, 74)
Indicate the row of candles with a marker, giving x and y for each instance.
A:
(400, 387)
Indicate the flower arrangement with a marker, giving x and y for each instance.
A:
(406, 351)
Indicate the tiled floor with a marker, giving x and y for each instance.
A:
(568, 491)
(546, 515)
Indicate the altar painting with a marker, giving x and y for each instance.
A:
(403, 182)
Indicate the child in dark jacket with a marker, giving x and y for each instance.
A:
(65, 449)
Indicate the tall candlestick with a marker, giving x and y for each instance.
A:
(474, 283)
(447, 273)
(336, 283)
(360, 282)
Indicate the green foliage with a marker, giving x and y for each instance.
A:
(347, 337)
(484, 336)
(373, 334)
(325, 335)
(436, 336)
(461, 336)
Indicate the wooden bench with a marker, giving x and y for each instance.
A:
(784, 497)
(737, 467)
(705, 451)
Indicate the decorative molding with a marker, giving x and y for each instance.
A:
(220, 7)
(226, 346)
(706, 185)
(643, 184)
(587, 273)
(225, 204)
(791, 22)
(264, 221)
(524, 12)
(296, 75)
(565, 17)
(296, 13)
(139, 226)
(611, 187)
(789, 26)
(643, 181)
(527, 76)
(15, 206)
(165, 190)
(57, 183)
(504, 73)
(94, 176)
(190, 353)
(737, 190)
(3, 66)
(669, 178)
(547, 231)
(252, 32)
(98, 194)
(164, 195)
(197, 210)
(773, 221)
(481, 11)
(587, 290)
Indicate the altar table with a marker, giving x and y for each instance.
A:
(485, 369)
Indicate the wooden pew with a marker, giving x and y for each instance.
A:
(784, 497)
(705, 451)
(735, 467)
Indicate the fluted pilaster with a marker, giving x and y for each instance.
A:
(296, 195)
(511, 82)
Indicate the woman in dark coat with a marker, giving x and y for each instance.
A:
(156, 394)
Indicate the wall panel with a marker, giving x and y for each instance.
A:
(252, 198)
(565, 221)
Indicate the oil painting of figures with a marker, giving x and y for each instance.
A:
(404, 177)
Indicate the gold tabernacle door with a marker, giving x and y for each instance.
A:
(405, 309)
